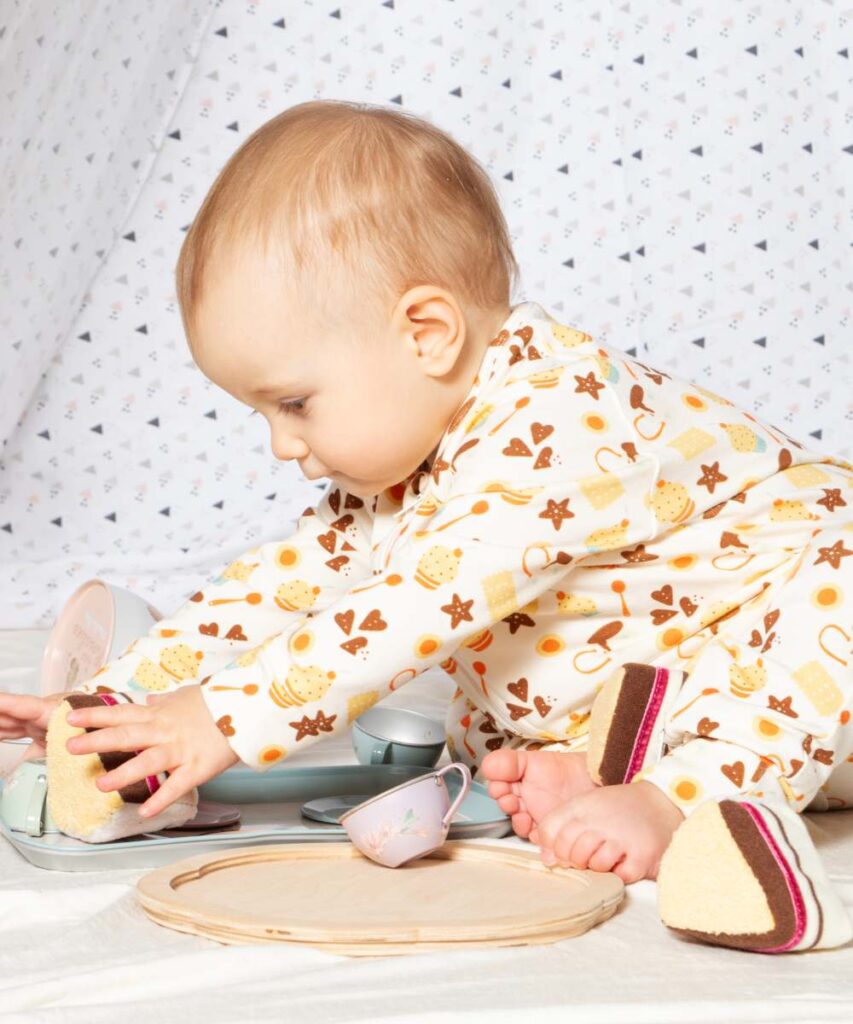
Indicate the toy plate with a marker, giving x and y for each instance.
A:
(274, 820)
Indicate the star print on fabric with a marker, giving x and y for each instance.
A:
(557, 511)
(711, 476)
(832, 499)
(458, 610)
(638, 554)
(312, 726)
(833, 555)
(588, 384)
(516, 620)
(439, 467)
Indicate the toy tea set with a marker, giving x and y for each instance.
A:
(395, 806)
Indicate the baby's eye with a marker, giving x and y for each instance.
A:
(297, 406)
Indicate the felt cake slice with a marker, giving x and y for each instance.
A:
(626, 726)
(76, 804)
(745, 873)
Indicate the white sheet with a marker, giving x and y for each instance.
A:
(77, 947)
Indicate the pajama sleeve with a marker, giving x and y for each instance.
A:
(521, 509)
(253, 597)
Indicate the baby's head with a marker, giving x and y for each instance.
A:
(343, 277)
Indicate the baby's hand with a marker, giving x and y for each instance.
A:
(24, 715)
(173, 732)
(624, 829)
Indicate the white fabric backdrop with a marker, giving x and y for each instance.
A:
(677, 182)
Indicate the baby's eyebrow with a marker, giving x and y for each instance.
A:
(292, 386)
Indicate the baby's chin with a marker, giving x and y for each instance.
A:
(360, 488)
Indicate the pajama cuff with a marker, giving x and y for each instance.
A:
(704, 768)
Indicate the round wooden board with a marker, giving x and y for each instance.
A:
(329, 896)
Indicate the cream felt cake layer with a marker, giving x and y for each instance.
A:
(82, 810)
(705, 881)
(601, 719)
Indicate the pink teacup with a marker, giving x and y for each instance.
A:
(408, 821)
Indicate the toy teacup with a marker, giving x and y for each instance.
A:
(408, 821)
(23, 801)
(386, 735)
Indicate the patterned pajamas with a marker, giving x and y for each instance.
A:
(582, 510)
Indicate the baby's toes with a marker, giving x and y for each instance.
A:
(567, 838)
(629, 871)
(607, 856)
(558, 826)
(498, 789)
(504, 765)
(508, 803)
(583, 848)
(522, 823)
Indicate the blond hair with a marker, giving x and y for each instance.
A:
(350, 189)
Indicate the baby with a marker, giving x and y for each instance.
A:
(510, 499)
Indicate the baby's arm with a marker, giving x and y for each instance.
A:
(486, 550)
(254, 597)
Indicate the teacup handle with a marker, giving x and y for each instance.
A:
(463, 792)
(35, 808)
(379, 751)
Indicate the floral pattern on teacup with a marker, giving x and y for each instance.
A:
(376, 841)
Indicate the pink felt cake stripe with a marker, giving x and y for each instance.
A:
(791, 882)
(644, 733)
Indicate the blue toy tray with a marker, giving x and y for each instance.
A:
(270, 806)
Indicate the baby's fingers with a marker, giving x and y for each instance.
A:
(175, 786)
(147, 763)
(13, 732)
(132, 737)
(104, 716)
(11, 722)
(25, 707)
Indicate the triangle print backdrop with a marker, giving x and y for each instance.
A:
(677, 180)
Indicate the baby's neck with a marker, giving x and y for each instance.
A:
(481, 330)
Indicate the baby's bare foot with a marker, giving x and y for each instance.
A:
(529, 784)
(624, 829)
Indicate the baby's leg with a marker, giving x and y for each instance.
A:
(765, 710)
(766, 706)
(780, 701)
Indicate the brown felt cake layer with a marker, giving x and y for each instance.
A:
(616, 718)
